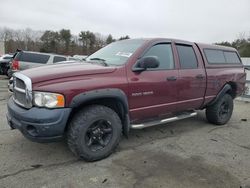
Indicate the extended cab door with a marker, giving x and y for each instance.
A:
(192, 77)
(153, 92)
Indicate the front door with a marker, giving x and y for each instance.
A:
(153, 92)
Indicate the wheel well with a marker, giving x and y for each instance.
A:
(114, 104)
(232, 92)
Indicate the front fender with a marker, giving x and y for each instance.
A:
(114, 93)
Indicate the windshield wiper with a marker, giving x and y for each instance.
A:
(97, 58)
(102, 61)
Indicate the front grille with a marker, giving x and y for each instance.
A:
(20, 83)
(22, 92)
(20, 97)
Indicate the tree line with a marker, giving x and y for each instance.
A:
(85, 43)
(59, 42)
(242, 44)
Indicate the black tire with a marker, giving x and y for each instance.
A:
(220, 112)
(83, 135)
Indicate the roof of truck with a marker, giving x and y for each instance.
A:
(201, 45)
(213, 46)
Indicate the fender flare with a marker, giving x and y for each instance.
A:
(115, 93)
(222, 92)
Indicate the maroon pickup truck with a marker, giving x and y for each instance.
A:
(130, 84)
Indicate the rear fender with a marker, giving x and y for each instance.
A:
(227, 88)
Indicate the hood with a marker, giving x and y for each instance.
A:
(63, 70)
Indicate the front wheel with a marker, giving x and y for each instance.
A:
(220, 112)
(94, 132)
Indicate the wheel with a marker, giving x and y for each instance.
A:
(220, 112)
(94, 132)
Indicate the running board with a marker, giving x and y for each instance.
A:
(163, 121)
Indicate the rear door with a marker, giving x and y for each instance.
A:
(192, 77)
(153, 92)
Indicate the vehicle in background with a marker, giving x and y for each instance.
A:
(5, 63)
(80, 57)
(23, 60)
(70, 58)
(129, 84)
(69, 61)
(2, 48)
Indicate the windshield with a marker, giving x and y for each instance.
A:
(116, 53)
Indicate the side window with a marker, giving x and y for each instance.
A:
(231, 57)
(187, 57)
(221, 57)
(58, 59)
(33, 57)
(214, 56)
(164, 54)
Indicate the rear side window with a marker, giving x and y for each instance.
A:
(164, 54)
(215, 56)
(187, 57)
(32, 57)
(231, 57)
(221, 57)
(58, 59)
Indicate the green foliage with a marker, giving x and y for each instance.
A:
(65, 36)
(88, 40)
(109, 39)
(242, 45)
(60, 42)
(50, 41)
(124, 38)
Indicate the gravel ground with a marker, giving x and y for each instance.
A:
(187, 153)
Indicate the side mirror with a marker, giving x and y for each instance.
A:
(146, 63)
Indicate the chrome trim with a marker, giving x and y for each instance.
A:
(19, 90)
(10, 85)
(163, 121)
(17, 102)
(27, 91)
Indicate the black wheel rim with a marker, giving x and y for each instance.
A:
(98, 135)
(224, 110)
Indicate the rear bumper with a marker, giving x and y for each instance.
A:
(38, 124)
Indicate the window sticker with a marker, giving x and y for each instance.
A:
(124, 54)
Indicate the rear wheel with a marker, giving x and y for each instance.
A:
(94, 132)
(220, 112)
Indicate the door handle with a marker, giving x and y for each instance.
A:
(171, 78)
(199, 76)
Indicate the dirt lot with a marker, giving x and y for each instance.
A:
(188, 153)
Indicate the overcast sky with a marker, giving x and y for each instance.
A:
(195, 20)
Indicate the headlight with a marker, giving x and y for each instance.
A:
(49, 100)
